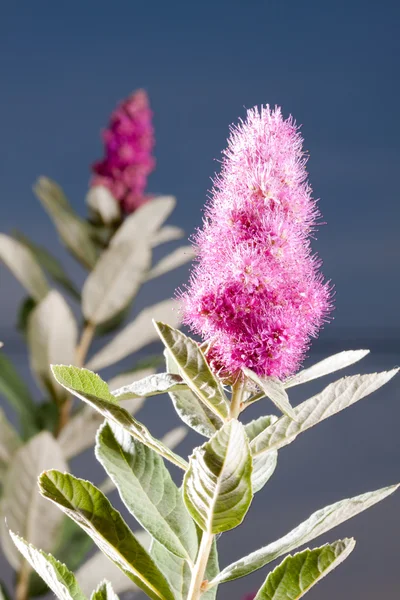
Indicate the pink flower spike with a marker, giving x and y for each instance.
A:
(256, 294)
(129, 141)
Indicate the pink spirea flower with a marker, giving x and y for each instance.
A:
(256, 294)
(129, 141)
(249, 597)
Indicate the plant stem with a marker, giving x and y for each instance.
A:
(236, 400)
(22, 587)
(80, 357)
(200, 566)
(84, 344)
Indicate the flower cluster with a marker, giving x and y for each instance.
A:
(129, 141)
(256, 295)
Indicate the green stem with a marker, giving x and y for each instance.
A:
(236, 400)
(200, 566)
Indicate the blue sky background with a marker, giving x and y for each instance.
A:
(334, 66)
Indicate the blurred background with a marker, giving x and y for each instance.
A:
(334, 67)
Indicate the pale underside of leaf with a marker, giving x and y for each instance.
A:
(274, 390)
(299, 573)
(317, 524)
(102, 203)
(56, 575)
(325, 367)
(115, 280)
(52, 338)
(190, 409)
(9, 443)
(25, 511)
(73, 231)
(176, 259)
(265, 464)
(50, 264)
(147, 490)
(217, 486)
(194, 369)
(147, 219)
(168, 233)
(23, 266)
(159, 383)
(91, 510)
(135, 335)
(126, 378)
(331, 400)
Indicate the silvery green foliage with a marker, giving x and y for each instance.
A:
(175, 557)
(59, 321)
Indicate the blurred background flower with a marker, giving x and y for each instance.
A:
(128, 145)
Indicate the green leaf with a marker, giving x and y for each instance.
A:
(91, 510)
(159, 383)
(147, 490)
(13, 388)
(331, 400)
(324, 367)
(178, 573)
(265, 464)
(273, 388)
(74, 232)
(168, 233)
(194, 369)
(22, 507)
(23, 266)
(9, 443)
(92, 389)
(56, 575)
(104, 592)
(190, 409)
(52, 338)
(88, 574)
(171, 439)
(117, 276)
(176, 570)
(135, 335)
(176, 259)
(217, 486)
(317, 524)
(297, 574)
(50, 264)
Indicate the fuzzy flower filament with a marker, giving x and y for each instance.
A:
(256, 294)
(128, 161)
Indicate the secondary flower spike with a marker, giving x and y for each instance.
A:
(128, 161)
(256, 295)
